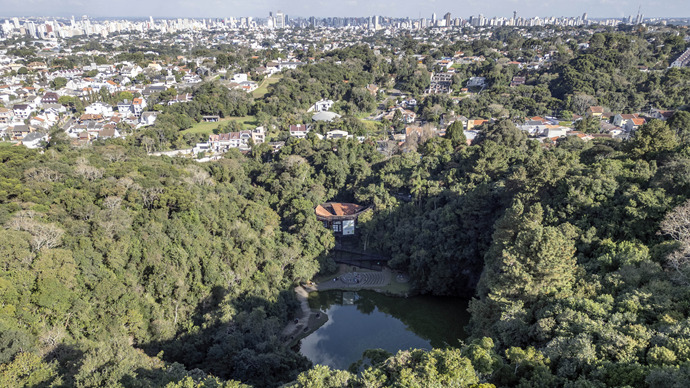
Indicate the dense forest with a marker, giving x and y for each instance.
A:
(124, 268)
(127, 270)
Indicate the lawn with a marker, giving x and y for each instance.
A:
(248, 122)
(262, 90)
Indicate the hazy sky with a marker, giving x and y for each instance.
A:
(397, 8)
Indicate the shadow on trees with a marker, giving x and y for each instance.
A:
(238, 340)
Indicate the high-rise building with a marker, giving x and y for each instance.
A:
(433, 19)
(279, 20)
(447, 17)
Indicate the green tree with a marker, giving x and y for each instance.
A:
(58, 83)
(455, 133)
(652, 138)
(527, 263)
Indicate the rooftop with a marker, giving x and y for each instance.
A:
(339, 209)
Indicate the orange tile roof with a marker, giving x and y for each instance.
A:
(338, 209)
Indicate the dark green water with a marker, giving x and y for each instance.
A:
(363, 320)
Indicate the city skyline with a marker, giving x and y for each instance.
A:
(348, 8)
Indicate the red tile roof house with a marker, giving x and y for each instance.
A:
(340, 217)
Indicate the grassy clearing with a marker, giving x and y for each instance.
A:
(372, 125)
(248, 122)
(262, 90)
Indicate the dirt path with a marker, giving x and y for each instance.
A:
(293, 328)
(307, 321)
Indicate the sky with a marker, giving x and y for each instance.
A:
(343, 8)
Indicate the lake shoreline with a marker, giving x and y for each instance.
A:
(310, 320)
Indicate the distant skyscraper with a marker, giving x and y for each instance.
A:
(584, 16)
(433, 19)
(279, 20)
(447, 17)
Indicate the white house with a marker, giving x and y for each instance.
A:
(621, 120)
(124, 107)
(138, 105)
(34, 139)
(338, 134)
(239, 77)
(633, 124)
(148, 118)
(299, 131)
(99, 108)
(323, 105)
(22, 111)
(248, 86)
(224, 141)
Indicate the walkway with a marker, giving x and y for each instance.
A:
(307, 321)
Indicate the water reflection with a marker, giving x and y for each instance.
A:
(367, 320)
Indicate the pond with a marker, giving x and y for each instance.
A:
(363, 320)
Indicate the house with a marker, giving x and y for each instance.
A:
(131, 71)
(99, 108)
(461, 119)
(239, 77)
(661, 114)
(150, 90)
(288, 65)
(476, 82)
(138, 105)
(407, 116)
(340, 217)
(323, 105)
(440, 83)
(108, 131)
(409, 103)
(248, 86)
(148, 118)
(299, 131)
(54, 109)
(124, 107)
(258, 135)
(19, 131)
(210, 119)
(475, 123)
(90, 117)
(633, 124)
(555, 131)
(224, 141)
(50, 98)
(22, 111)
(276, 145)
(34, 139)
(517, 81)
(620, 120)
(595, 111)
(338, 134)
(6, 115)
(372, 89)
(180, 98)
